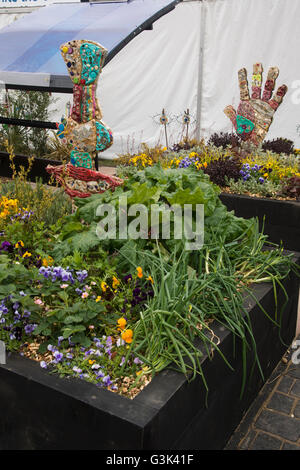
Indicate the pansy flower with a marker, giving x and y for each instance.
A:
(139, 272)
(121, 323)
(104, 286)
(115, 282)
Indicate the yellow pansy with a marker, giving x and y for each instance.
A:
(139, 271)
(127, 336)
(115, 282)
(104, 286)
(121, 323)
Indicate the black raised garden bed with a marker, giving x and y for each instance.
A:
(281, 219)
(42, 411)
(38, 169)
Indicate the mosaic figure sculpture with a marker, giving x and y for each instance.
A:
(84, 130)
(254, 114)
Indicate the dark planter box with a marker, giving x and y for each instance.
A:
(42, 411)
(38, 169)
(281, 218)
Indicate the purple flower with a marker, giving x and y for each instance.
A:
(69, 356)
(127, 278)
(29, 328)
(82, 275)
(6, 246)
(26, 313)
(58, 356)
(122, 360)
(77, 370)
(106, 380)
(43, 365)
(136, 292)
(66, 276)
(137, 361)
(89, 352)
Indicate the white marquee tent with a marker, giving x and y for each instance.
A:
(190, 60)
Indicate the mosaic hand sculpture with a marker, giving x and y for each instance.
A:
(84, 129)
(254, 115)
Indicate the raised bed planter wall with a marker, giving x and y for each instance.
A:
(38, 169)
(281, 219)
(42, 411)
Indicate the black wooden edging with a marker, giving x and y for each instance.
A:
(42, 411)
(280, 219)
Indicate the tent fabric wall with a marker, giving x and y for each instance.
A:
(161, 68)
(8, 18)
(239, 33)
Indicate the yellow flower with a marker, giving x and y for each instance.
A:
(98, 298)
(266, 175)
(48, 261)
(205, 164)
(19, 244)
(127, 336)
(140, 272)
(149, 278)
(121, 323)
(27, 254)
(104, 286)
(91, 362)
(115, 283)
(144, 369)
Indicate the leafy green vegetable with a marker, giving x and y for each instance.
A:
(154, 185)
